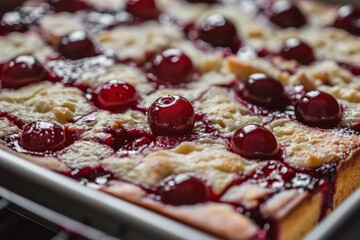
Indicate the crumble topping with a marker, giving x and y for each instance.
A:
(45, 101)
(134, 43)
(14, 45)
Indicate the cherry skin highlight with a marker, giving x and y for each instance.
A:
(183, 190)
(348, 18)
(76, 45)
(318, 109)
(254, 142)
(115, 96)
(42, 136)
(21, 71)
(171, 116)
(218, 31)
(263, 90)
(172, 66)
(144, 9)
(295, 49)
(284, 14)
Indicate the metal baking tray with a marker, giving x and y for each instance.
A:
(125, 220)
(109, 214)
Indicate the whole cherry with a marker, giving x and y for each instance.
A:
(298, 50)
(77, 45)
(172, 66)
(318, 109)
(21, 71)
(254, 142)
(42, 136)
(348, 18)
(285, 14)
(144, 9)
(217, 31)
(115, 96)
(183, 189)
(264, 90)
(171, 115)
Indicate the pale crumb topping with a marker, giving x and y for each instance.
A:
(84, 154)
(308, 147)
(247, 194)
(97, 122)
(210, 160)
(45, 101)
(13, 45)
(204, 61)
(6, 127)
(119, 72)
(60, 24)
(107, 4)
(181, 10)
(134, 43)
(224, 111)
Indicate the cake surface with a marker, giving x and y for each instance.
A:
(240, 118)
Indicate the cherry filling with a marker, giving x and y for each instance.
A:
(218, 31)
(77, 45)
(318, 109)
(144, 9)
(263, 90)
(295, 49)
(171, 116)
(21, 71)
(254, 142)
(115, 96)
(41, 136)
(68, 5)
(183, 190)
(284, 14)
(9, 5)
(348, 18)
(172, 66)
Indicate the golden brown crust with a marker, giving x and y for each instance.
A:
(216, 218)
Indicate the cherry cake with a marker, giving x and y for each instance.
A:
(239, 118)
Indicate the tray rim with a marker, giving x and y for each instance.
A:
(71, 191)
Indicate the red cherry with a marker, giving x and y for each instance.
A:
(218, 31)
(172, 66)
(69, 5)
(254, 141)
(284, 14)
(263, 90)
(9, 5)
(145, 9)
(41, 136)
(183, 190)
(116, 96)
(318, 109)
(21, 71)
(294, 48)
(171, 116)
(77, 45)
(348, 18)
